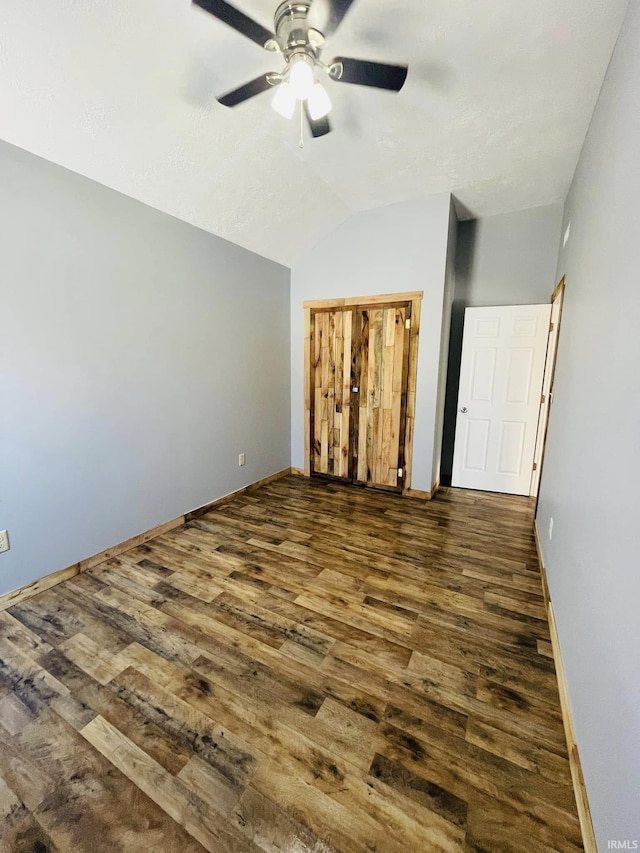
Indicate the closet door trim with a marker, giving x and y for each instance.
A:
(364, 302)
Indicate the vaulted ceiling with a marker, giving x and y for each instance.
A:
(495, 108)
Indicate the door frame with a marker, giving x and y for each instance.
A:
(548, 380)
(415, 297)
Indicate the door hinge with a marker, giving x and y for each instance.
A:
(535, 466)
(400, 473)
(542, 399)
(551, 327)
(407, 323)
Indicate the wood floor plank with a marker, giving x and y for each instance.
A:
(21, 832)
(310, 667)
(172, 795)
(135, 725)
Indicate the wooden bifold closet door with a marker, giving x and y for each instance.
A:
(358, 389)
(331, 363)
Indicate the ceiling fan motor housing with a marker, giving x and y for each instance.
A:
(293, 35)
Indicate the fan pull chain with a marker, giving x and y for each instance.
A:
(301, 143)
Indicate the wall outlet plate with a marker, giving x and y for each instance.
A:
(241, 459)
(4, 541)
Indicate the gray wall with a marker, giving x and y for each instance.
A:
(592, 464)
(402, 247)
(138, 357)
(508, 259)
(500, 260)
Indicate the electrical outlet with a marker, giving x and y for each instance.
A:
(4, 541)
(241, 459)
(551, 528)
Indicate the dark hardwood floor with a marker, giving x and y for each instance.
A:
(310, 667)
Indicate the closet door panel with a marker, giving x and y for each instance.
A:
(382, 342)
(331, 391)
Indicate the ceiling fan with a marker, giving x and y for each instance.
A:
(301, 28)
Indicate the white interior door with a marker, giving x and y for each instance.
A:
(503, 356)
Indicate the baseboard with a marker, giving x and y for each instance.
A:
(17, 595)
(422, 495)
(579, 788)
(205, 508)
(543, 571)
(409, 493)
(417, 493)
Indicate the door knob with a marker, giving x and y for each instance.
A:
(464, 410)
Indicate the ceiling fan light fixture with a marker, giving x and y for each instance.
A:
(284, 101)
(301, 76)
(298, 41)
(318, 102)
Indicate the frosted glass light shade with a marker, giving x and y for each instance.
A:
(301, 77)
(284, 101)
(318, 102)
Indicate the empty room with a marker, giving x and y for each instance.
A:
(318, 521)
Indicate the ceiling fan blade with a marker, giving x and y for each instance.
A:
(326, 15)
(364, 73)
(243, 93)
(238, 20)
(317, 126)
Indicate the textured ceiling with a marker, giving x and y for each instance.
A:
(495, 108)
